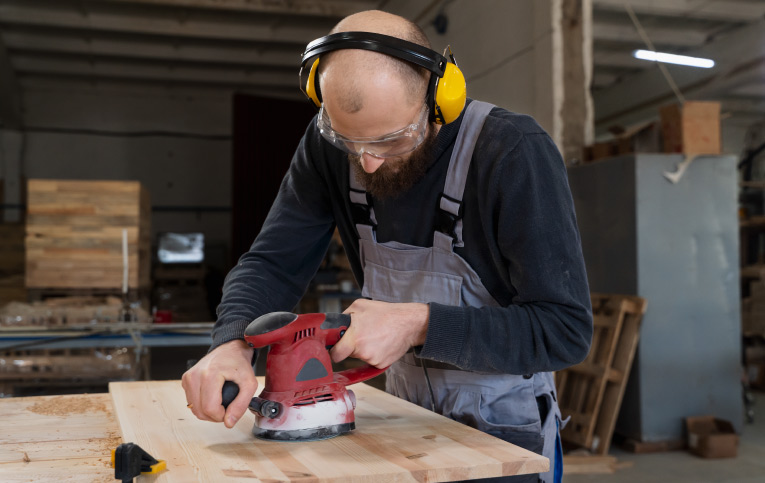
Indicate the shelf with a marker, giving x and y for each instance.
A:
(753, 222)
(752, 184)
(753, 271)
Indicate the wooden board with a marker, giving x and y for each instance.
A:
(393, 441)
(57, 438)
(74, 234)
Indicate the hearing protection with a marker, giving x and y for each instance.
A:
(446, 88)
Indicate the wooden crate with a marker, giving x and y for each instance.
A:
(74, 234)
(591, 392)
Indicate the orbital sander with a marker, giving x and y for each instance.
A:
(303, 398)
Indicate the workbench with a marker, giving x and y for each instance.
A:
(57, 438)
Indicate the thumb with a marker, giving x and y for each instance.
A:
(344, 347)
(239, 405)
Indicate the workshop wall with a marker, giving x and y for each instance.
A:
(177, 145)
(508, 60)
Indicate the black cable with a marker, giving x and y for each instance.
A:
(430, 387)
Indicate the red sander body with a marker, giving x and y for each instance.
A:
(303, 399)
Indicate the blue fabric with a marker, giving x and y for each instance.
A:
(558, 473)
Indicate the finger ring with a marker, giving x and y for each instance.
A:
(189, 405)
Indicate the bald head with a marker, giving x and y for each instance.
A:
(347, 75)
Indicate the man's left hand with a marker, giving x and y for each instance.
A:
(382, 332)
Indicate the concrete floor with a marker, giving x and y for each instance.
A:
(682, 466)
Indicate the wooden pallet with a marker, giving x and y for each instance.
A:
(57, 364)
(591, 392)
(46, 371)
(67, 312)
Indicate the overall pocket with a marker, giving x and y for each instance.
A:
(512, 416)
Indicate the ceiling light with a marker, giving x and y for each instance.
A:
(673, 59)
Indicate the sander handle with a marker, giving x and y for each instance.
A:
(229, 392)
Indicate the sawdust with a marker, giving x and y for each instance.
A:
(65, 405)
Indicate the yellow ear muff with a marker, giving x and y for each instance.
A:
(451, 93)
(310, 85)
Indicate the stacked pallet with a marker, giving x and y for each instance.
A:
(591, 392)
(12, 263)
(74, 235)
(67, 312)
(22, 370)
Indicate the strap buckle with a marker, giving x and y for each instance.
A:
(362, 213)
(446, 221)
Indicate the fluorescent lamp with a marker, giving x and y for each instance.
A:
(673, 59)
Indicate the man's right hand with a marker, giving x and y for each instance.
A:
(203, 383)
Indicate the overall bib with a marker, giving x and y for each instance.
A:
(521, 409)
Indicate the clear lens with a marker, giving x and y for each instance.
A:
(397, 143)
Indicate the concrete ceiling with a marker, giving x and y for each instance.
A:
(730, 32)
(255, 45)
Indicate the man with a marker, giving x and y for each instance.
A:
(470, 267)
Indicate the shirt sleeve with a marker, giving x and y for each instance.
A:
(274, 274)
(548, 324)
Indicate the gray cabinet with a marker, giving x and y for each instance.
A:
(677, 246)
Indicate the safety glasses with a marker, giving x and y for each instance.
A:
(396, 143)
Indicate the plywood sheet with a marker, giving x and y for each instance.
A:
(57, 438)
(393, 441)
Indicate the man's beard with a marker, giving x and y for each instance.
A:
(397, 175)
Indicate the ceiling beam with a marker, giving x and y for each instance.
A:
(727, 10)
(115, 69)
(660, 36)
(641, 94)
(10, 92)
(180, 25)
(325, 8)
(150, 48)
(32, 83)
(618, 58)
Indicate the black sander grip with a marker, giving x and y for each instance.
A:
(229, 393)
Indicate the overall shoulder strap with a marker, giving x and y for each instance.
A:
(448, 232)
(361, 207)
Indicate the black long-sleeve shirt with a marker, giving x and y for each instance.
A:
(519, 231)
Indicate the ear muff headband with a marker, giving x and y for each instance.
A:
(446, 89)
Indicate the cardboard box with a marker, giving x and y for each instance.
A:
(691, 128)
(710, 437)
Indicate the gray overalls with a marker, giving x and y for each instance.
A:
(504, 405)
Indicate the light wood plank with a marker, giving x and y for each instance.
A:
(57, 438)
(394, 441)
